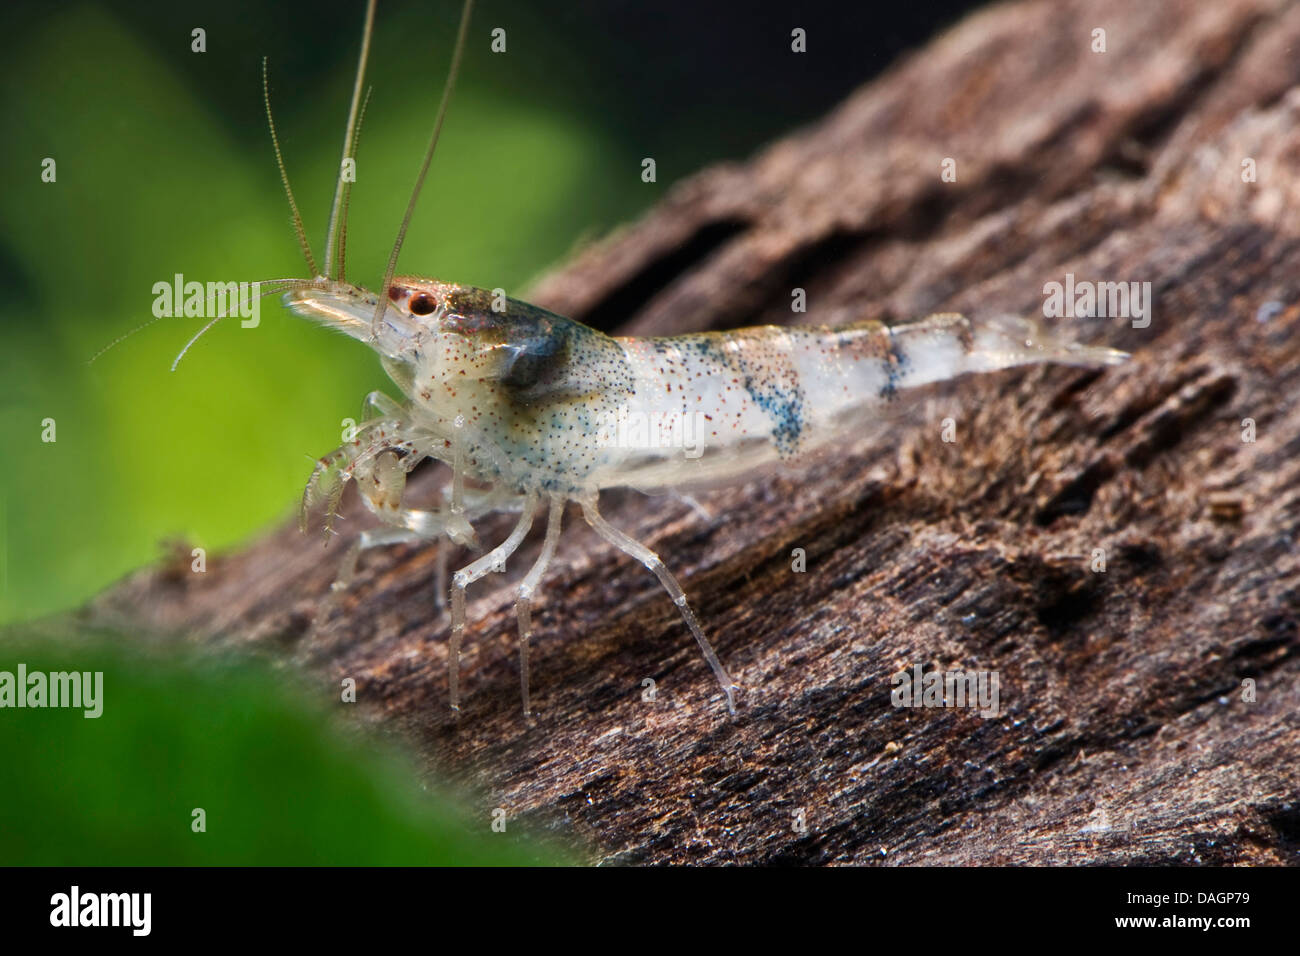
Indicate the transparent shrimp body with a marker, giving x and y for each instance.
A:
(540, 408)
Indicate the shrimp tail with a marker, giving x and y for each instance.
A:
(947, 345)
(1008, 340)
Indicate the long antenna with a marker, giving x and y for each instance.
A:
(284, 178)
(428, 158)
(281, 285)
(347, 194)
(349, 138)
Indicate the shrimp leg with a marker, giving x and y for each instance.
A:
(381, 480)
(635, 549)
(372, 538)
(524, 595)
(492, 561)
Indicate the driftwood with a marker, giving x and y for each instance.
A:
(1126, 733)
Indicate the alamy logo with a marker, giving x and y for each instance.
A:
(103, 909)
(192, 299)
(921, 688)
(625, 428)
(1125, 300)
(76, 689)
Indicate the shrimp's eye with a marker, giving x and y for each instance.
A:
(422, 303)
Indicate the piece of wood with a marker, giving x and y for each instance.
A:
(1123, 735)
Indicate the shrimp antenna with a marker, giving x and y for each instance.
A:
(123, 337)
(284, 178)
(349, 140)
(279, 285)
(285, 283)
(347, 195)
(428, 158)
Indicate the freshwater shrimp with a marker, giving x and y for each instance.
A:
(524, 405)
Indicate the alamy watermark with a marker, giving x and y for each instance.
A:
(1082, 298)
(627, 428)
(83, 690)
(956, 688)
(130, 910)
(199, 300)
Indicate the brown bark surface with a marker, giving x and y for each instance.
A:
(1123, 735)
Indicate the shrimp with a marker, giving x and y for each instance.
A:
(533, 411)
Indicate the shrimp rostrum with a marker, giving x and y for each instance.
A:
(532, 411)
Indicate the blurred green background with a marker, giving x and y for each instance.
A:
(279, 778)
(164, 166)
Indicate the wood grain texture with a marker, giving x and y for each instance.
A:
(1123, 737)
